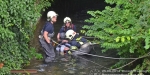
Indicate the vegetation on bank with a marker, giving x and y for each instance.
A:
(17, 22)
(124, 28)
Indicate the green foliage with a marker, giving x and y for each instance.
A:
(125, 27)
(17, 22)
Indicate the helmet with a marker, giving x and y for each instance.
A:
(70, 34)
(67, 19)
(51, 14)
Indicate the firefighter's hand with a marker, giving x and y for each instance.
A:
(53, 44)
(66, 48)
(58, 40)
(64, 40)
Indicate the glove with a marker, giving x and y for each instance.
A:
(53, 43)
(81, 43)
(69, 52)
(73, 48)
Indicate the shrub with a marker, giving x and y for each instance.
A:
(17, 23)
(124, 28)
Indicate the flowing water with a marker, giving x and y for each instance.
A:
(67, 64)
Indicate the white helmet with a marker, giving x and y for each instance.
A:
(70, 34)
(67, 19)
(51, 14)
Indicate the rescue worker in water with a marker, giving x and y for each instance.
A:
(67, 26)
(63, 43)
(46, 34)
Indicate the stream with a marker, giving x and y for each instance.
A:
(67, 64)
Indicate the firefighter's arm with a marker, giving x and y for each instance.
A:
(46, 36)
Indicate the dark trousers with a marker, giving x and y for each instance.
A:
(49, 51)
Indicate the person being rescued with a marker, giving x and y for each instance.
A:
(79, 45)
(64, 45)
(75, 44)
